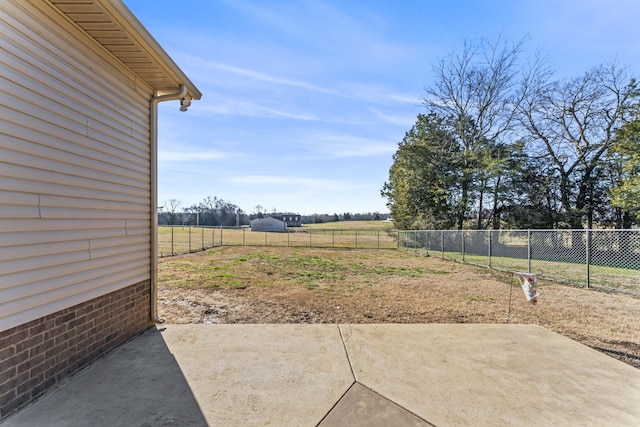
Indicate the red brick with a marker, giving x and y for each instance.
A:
(56, 331)
(102, 319)
(30, 363)
(38, 328)
(22, 377)
(39, 389)
(8, 332)
(13, 404)
(26, 387)
(39, 369)
(40, 349)
(16, 359)
(65, 355)
(10, 384)
(29, 342)
(65, 318)
(78, 339)
(7, 352)
(7, 397)
(77, 321)
(15, 337)
(86, 309)
(64, 337)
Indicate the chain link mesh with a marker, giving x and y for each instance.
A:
(600, 258)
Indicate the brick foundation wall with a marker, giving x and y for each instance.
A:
(36, 355)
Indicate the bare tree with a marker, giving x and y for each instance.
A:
(172, 206)
(572, 124)
(477, 92)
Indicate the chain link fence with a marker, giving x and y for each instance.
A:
(176, 240)
(608, 259)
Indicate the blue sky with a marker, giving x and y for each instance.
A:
(304, 102)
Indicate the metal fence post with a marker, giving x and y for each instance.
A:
(243, 231)
(462, 233)
(442, 240)
(221, 235)
(588, 256)
(189, 239)
(529, 251)
(489, 245)
(356, 238)
(202, 240)
(172, 252)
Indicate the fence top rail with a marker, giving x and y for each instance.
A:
(634, 230)
(291, 228)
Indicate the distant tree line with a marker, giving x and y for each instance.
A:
(210, 212)
(346, 216)
(505, 146)
(217, 212)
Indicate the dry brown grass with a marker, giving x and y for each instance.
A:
(302, 285)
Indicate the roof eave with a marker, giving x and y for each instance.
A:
(151, 53)
(142, 35)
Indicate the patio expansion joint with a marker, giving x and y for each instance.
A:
(336, 404)
(344, 337)
(346, 350)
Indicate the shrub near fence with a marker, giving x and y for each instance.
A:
(175, 240)
(595, 258)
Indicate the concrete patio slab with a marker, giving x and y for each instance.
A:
(257, 375)
(361, 407)
(339, 375)
(453, 375)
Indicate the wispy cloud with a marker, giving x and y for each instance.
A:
(370, 150)
(253, 81)
(332, 145)
(266, 78)
(244, 108)
(405, 120)
(378, 93)
(293, 183)
(328, 29)
(188, 156)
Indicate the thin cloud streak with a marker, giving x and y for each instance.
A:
(179, 156)
(292, 182)
(231, 107)
(262, 77)
(342, 89)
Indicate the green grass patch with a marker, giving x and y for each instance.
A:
(328, 271)
(475, 298)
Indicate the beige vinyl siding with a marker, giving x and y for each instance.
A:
(74, 167)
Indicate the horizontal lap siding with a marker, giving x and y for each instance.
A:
(74, 168)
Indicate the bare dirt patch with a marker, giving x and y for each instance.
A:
(304, 285)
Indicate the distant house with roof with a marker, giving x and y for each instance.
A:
(268, 224)
(292, 220)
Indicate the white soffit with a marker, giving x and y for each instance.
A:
(112, 25)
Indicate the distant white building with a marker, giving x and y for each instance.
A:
(269, 224)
